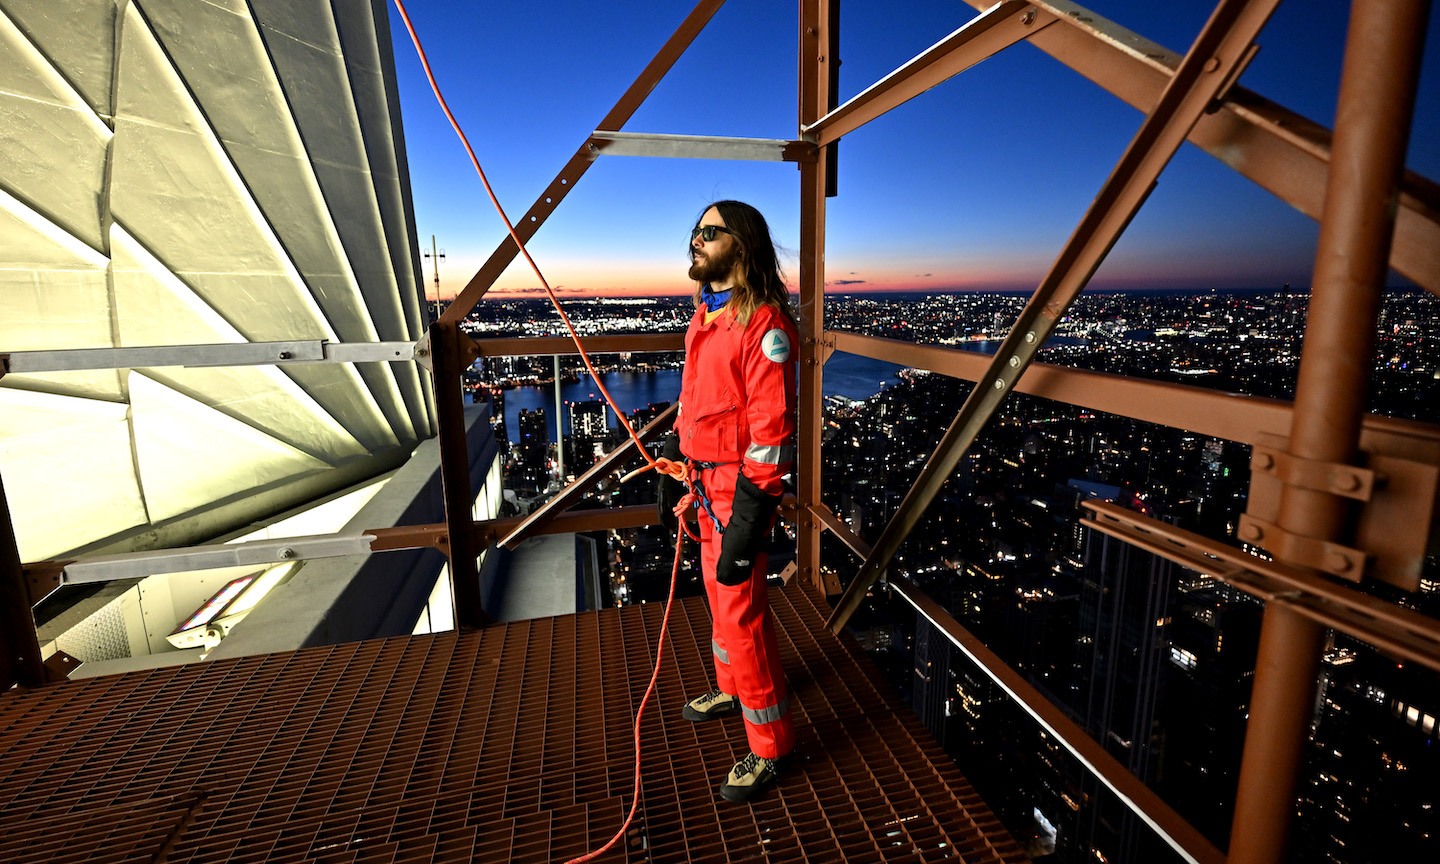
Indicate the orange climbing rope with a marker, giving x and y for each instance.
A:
(550, 292)
(678, 470)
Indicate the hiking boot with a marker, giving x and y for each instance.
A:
(711, 706)
(750, 776)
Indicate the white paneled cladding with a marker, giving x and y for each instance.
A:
(177, 172)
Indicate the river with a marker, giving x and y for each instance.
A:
(846, 375)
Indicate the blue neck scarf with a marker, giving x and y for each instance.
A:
(713, 301)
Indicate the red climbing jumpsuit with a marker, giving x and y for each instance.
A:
(737, 414)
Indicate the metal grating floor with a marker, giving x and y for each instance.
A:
(512, 743)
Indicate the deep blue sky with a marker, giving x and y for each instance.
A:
(977, 183)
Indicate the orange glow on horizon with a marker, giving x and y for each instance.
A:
(577, 279)
(649, 284)
(568, 278)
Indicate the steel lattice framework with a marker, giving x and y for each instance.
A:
(1331, 483)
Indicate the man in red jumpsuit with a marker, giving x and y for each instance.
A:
(736, 426)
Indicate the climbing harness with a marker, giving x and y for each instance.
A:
(687, 471)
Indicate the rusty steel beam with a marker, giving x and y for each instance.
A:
(487, 532)
(20, 662)
(1206, 412)
(637, 516)
(1393, 628)
(564, 345)
(436, 536)
(1393, 528)
(993, 31)
(1286, 154)
(535, 522)
(1378, 79)
(817, 54)
(1182, 837)
(580, 163)
(808, 464)
(1250, 420)
(832, 523)
(1222, 46)
(450, 353)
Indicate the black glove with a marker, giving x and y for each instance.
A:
(668, 490)
(746, 535)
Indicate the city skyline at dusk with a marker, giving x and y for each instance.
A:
(974, 185)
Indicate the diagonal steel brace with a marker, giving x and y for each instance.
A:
(536, 521)
(580, 163)
(1224, 44)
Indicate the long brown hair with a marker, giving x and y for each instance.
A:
(759, 281)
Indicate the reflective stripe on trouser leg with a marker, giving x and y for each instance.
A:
(721, 655)
(761, 716)
(743, 628)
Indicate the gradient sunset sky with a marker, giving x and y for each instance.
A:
(976, 184)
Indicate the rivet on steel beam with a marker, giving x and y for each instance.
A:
(1030, 337)
(1347, 482)
(1340, 562)
(999, 384)
(1028, 18)
(287, 553)
(422, 352)
(1252, 532)
(1014, 362)
(1212, 64)
(1264, 461)
(285, 355)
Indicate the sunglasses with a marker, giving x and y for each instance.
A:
(707, 232)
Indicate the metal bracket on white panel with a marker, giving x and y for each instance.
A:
(421, 352)
(135, 565)
(224, 354)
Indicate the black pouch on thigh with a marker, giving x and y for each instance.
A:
(747, 533)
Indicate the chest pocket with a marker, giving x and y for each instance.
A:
(714, 437)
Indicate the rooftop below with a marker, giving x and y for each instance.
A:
(509, 743)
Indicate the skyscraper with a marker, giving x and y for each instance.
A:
(531, 450)
(589, 434)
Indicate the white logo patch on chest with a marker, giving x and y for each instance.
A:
(776, 345)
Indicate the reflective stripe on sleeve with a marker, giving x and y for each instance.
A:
(770, 454)
(766, 715)
(720, 653)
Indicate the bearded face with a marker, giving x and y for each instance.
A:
(714, 265)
